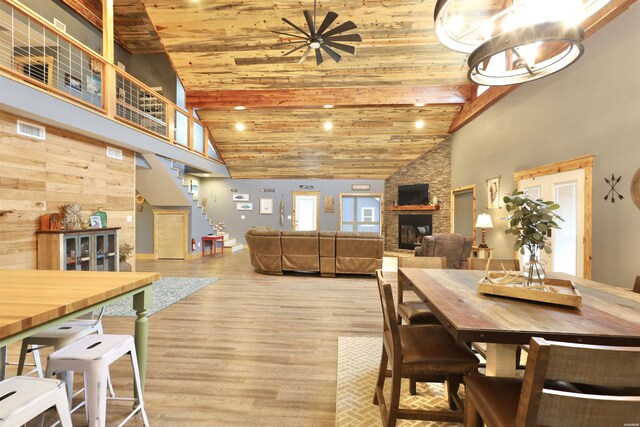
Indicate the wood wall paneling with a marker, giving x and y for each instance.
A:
(38, 177)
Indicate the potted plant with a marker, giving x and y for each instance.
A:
(125, 252)
(530, 222)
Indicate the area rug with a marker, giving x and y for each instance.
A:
(166, 291)
(358, 360)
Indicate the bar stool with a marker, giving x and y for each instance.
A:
(24, 398)
(92, 355)
(58, 337)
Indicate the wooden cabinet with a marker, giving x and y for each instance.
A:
(83, 250)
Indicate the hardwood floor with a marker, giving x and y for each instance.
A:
(249, 350)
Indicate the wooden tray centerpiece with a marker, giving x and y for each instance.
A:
(553, 291)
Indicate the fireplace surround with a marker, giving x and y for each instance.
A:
(412, 228)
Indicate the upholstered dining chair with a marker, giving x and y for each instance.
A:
(607, 391)
(421, 352)
(494, 264)
(416, 312)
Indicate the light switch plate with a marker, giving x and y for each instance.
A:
(129, 218)
(243, 217)
(288, 216)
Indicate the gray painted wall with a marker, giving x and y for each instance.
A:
(221, 207)
(591, 108)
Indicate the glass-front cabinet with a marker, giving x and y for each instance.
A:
(81, 250)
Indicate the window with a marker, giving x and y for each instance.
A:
(359, 212)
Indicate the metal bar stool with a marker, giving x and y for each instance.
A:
(24, 398)
(92, 355)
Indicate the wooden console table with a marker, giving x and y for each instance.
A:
(213, 240)
(478, 252)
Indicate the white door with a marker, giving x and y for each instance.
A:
(305, 211)
(567, 243)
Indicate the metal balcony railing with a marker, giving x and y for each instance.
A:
(36, 52)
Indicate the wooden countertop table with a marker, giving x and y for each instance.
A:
(609, 315)
(34, 300)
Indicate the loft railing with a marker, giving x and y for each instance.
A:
(36, 52)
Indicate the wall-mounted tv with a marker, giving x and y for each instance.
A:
(417, 194)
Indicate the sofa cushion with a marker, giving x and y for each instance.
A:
(300, 251)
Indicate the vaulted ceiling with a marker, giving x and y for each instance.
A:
(227, 56)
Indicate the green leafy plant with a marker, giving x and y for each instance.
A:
(125, 251)
(530, 221)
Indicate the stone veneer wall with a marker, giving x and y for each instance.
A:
(433, 168)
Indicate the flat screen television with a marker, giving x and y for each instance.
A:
(417, 194)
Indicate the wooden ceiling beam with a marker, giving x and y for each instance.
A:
(474, 108)
(315, 97)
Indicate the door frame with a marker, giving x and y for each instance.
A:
(459, 190)
(294, 194)
(586, 163)
(379, 195)
(158, 212)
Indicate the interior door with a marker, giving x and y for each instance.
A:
(567, 243)
(463, 211)
(170, 234)
(306, 214)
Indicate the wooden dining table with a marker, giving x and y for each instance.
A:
(34, 300)
(608, 316)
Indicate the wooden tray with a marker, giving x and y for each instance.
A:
(567, 293)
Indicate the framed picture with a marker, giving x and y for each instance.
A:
(266, 206)
(240, 197)
(328, 204)
(72, 82)
(193, 188)
(493, 193)
(96, 221)
(244, 206)
(94, 85)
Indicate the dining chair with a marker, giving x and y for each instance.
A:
(636, 286)
(497, 264)
(509, 402)
(416, 312)
(421, 352)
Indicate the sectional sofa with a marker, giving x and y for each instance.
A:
(326, 252)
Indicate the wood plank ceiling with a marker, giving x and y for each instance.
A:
(226, 55)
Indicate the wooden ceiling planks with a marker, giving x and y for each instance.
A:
(365, 142)
(134, 31)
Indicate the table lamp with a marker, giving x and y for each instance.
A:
(483, 222)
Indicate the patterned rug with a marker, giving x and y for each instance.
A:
(358, 360)
(166, 291)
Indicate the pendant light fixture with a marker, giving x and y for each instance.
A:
(525, 41)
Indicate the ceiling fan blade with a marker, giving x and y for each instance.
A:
(349, 25)
(304, 57)
(296, 27)
(328, 20)
(309, 19)
(340, 46)
(293, 50)
(319, 58)
(333, 54)
(345, 38)
(290, 35)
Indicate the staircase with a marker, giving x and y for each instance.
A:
(229, 243)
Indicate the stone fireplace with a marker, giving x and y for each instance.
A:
(411, 230)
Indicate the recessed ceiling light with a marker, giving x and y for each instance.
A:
(328, 106)
(419, 104)
(206, 175)
(240, 108)
(328, 125)
(419, 124)
(240, 127)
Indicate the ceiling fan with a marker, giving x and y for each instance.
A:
(319, 38)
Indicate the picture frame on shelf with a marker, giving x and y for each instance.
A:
(266, 206)
(493, 193)
(240, 197)
(244, 206)
(96, 221)
(72, 82)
